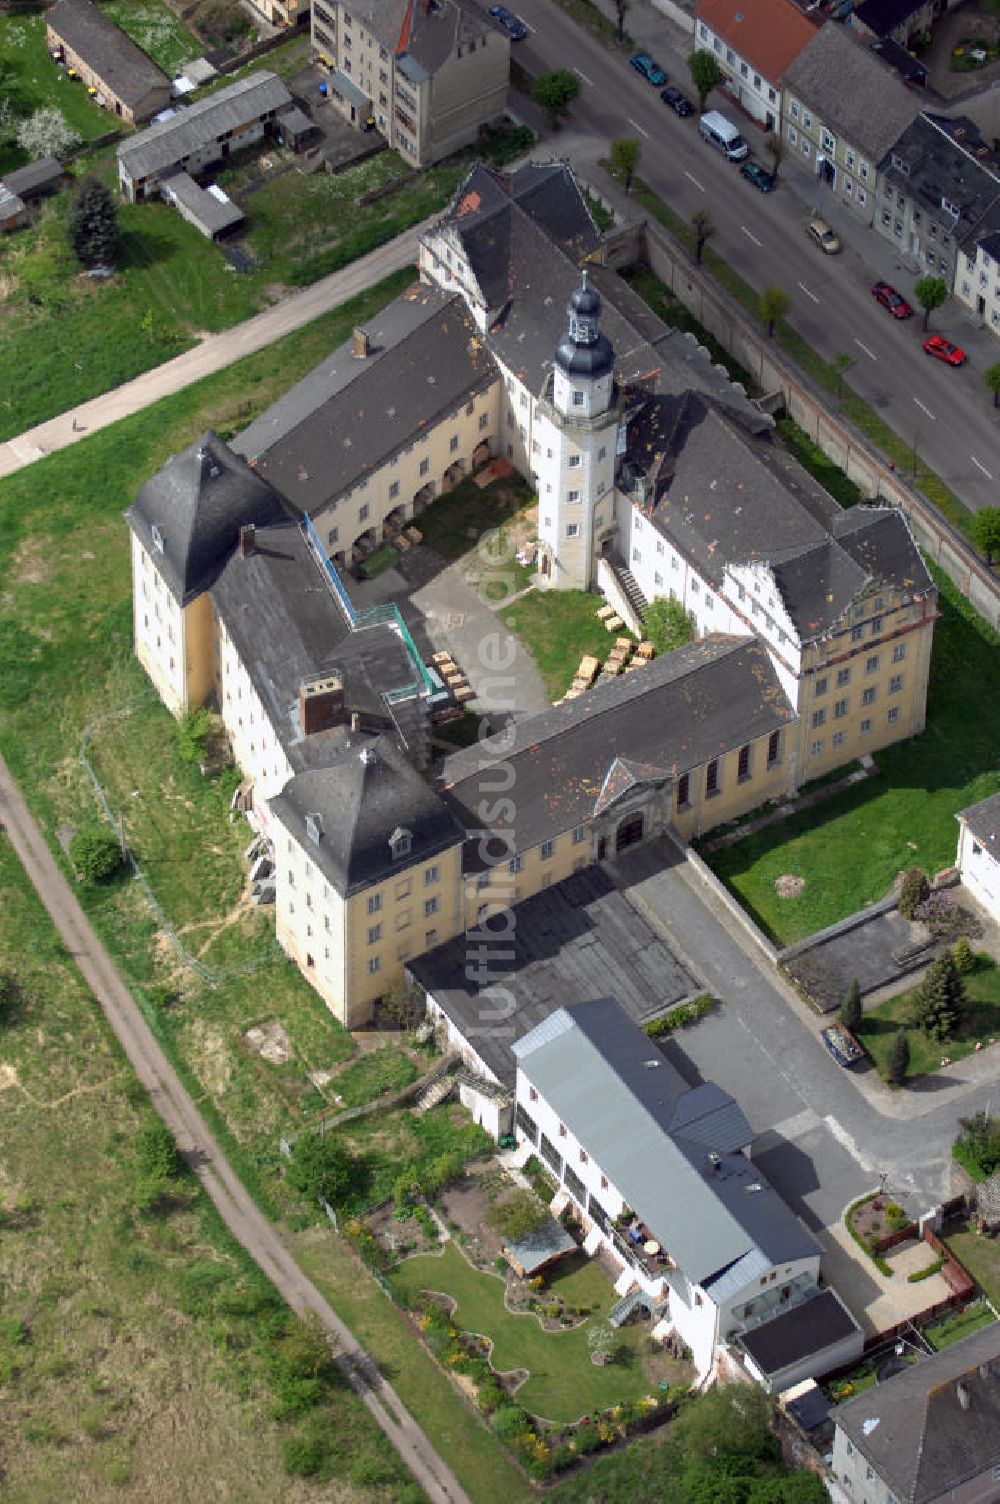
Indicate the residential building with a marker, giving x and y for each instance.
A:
(900, 21)
(977, 275)
(283, 13)
(25, 185)
(978, 859)
(928, 1434)
(428, 74)
(204, 133)
(124, 80)
(813, 624)
(843, 108)
(937, 183)
(660, 1174)
(754, 42)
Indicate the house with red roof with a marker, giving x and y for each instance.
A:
(753, 41)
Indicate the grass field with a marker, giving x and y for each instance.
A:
(563, 1384)
(36, 82)
(384, 1144)
(850, 848)
(981, 1256)
(558, 627)
(136, 1350)
(153, 26)
(981, 1023)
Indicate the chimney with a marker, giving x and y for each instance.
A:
(360, 347)
(962, 1393)
(355, 721)
(321, 703)
(248, 540)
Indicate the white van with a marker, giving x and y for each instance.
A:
(720, 132)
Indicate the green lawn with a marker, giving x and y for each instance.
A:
(135, 1348)
(850, 848)
(558, 627)
(387, 1143)
(374, 1074)
(980, 1024)
(981, 1256)
(36, 83)
(563, 1383)
(153, 26)
(951, 1328)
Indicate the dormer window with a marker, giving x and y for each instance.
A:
(400, 843)
(949, 207)
(314, 828)
(157, 538)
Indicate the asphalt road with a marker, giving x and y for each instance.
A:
(172, 1102)
(948, 414)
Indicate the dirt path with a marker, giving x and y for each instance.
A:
(213, 353)
(175, 1106)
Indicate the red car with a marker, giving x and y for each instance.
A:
(887, 295)
(943, 349)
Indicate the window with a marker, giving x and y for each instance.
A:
(333, 535)
(712, 778)
(876, 625)
(743, 763)
(793, 109)
(772, 95)
(862, 197)
(773, 748)
(363, 512)
(532, 1094)
(816, 749)
(899, 652)
(886, 217)
(430, 938)
(893, 715)
(572, 529)
(807, 120)
(793, 135)
(572, 496)
(577, 398)
(821, 685)
(895, 684)
(515, 865)
(744, 71)
(863, 171)
(425, 465)
(584, 1157)
(843, 677)
(857, 633)
(868, 696)
(684, 791)
(453, 444)
(374, 965)
(484, 421)
(819, 719)
(483, 881)
(756, 80)
(431, 875)
(871, 664)
(374, 903)
(838, 738)
(562, 1130)
(849, 159)
(574, 461)
(730, 56)
(394, 490)
(827, 141)
(840, 710)
(579, 835)
(374, 934)
(866, 726)
(548, 847)
(399, 844)
(430, 907)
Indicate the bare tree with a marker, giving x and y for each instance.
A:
(703, 226)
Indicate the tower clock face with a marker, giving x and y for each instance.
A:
(584, 332)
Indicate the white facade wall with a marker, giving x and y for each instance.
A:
(575, 471)
(977, 284)
(759, 96)
(159, 630)
(456, 1040)
(310, 921)
(256, 747)
(980, 870)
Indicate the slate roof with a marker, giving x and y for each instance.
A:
(427, 34)
(723, 495)
(105, 48)
(198, 125)
(939, 157)
(676, 714)
(575, 939)
(798, 1333)
(852, 91)
(36, 177)
(197, 504)
(916, 1433)
(983, 822)
(349, 416)
(367, 792)
(599, 1073)
(287, 628)
(768, 33)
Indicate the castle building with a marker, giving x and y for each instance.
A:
(655, 476)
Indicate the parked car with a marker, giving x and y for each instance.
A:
(753, 172)
(512, 25)
(842, 1045)
(818, 230)
(678, 102)
(943, 349)
(650, 70)
(886, 294)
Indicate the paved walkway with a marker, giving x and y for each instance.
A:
(214, 353)
(238, 1210)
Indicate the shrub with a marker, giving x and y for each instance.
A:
(320, 1167)
(303, 1456)
(939, 1003)
(192, 734)
(95, 852)
(490, 1396)
(586, 1439)
(899, 1059)
(914, 889)
(935, 1268)
(517, 1216)
(510, 1421)
(965, 961)
(850, 1009)
(895, 1217)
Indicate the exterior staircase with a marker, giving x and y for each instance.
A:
(629, 585)
(434, 1090)
(623, 1309)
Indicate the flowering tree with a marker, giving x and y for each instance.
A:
(46, 134)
